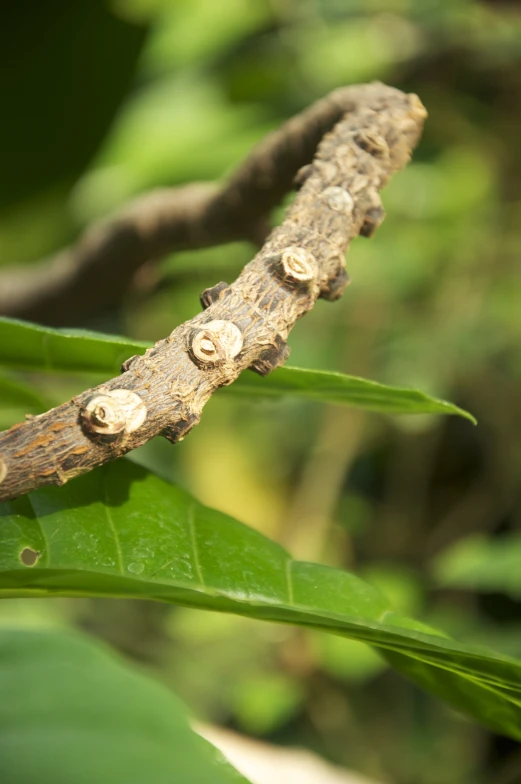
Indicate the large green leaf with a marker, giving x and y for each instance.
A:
(120, 531)
(27, 346)
(70, 711)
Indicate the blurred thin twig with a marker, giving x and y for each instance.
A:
(93, 276)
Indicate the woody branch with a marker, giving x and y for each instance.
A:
(245, 324)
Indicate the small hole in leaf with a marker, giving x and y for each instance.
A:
(28, 556)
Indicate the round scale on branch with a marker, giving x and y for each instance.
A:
(116, 411)
(297, 264)
(217, 341)
(339, 199)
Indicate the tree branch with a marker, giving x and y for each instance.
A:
(247, 323)
(65, 289)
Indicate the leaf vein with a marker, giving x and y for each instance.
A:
(113, 528)
(193, 539)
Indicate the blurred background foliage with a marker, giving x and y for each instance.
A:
(103, 100)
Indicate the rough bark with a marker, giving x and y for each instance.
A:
(245, 324)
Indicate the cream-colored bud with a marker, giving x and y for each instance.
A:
(115, 411)
(298, 264)
(216, 341)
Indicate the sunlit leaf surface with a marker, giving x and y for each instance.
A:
(120, 531)
(27, 346)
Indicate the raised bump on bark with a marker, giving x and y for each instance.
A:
(297, 264)
(339, 199)
(212, 294)
(336, 286)
(113, 412)
(272, 357)
(216, 342)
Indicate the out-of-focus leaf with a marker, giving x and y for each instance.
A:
(180, 39)
(174, 130)
(120, 531)
(357, 49)
(18, 399)
(348, 660)
(482, 564)
(27, 346)
(263, 701)
(70, 711)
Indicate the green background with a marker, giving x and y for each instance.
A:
(105, 100)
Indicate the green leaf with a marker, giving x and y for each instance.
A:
(120, 531)
(329, 387)
(27, 346)
(18, 399)
(483, 564)
(71, 711)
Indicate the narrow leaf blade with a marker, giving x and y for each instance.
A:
(26, 346)
(341, 389)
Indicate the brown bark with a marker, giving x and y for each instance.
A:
(245, 324)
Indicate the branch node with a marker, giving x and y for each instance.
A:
(336, 286)
(373, 212)
(126, 365)
(177, 431)
(272, 357)
(373, 218)
(211, 295)
(3, 470)
(302, 175)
